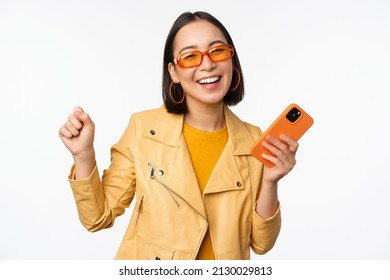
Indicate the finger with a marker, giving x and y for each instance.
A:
(76, 123)
(276, 161)
(71, 128)
(283, 164)
(78, 109)
(279, 145)
(293, 145)
(278, 157)
(84, 118)
(280, 151)
(64, 132)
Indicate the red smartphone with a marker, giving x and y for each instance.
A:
(293, 122)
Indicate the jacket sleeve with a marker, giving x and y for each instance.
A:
(99, 202)
(265, 231)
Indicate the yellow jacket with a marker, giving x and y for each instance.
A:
(171, 217)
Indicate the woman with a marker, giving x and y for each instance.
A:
(199, 193)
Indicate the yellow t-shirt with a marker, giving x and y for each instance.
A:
(205, 149)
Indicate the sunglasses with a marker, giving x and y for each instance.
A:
(195, 58)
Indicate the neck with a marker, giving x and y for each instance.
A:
(206, 118)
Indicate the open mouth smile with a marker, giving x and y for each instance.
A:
(210, 80)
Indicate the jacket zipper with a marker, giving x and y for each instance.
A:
(140, 208)
(251, 187)
(153, 176)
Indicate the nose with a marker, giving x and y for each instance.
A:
(207, 64)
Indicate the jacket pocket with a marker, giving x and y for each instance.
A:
(158, 252)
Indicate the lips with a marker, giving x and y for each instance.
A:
(209, 80)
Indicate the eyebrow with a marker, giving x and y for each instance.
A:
(194, 47)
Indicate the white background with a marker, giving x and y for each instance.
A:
(331, 57)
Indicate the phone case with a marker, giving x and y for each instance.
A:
(293, 122)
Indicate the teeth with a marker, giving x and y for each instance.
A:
(209, 80)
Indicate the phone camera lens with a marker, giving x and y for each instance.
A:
(293, 115)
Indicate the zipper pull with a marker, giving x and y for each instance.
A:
(151, 167)
(140, 208)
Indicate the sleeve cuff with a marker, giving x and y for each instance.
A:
(265, 231)
(71, 176)
(268, 219)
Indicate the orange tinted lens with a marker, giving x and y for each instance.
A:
(190, 59)
(220, 53)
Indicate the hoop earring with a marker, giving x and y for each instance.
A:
(238, 78)
(170, 95)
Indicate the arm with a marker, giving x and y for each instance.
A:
(98, 202)
(267, 219)
(284, 161)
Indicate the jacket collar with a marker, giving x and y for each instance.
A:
(167, 128)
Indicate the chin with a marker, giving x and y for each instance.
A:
(213, 101)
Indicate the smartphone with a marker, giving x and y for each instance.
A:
(293, 122)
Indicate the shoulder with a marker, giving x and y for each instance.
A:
(146, 114)
(253, 130)
(139, 120)
(146, 117)
(156, 119)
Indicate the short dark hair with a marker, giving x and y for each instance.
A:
(231, 98)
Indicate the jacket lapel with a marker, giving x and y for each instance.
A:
(226, 175)
(174, 159)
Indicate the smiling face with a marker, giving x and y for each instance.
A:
(207, 83)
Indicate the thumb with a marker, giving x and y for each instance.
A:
(78, 109)
(82, 116)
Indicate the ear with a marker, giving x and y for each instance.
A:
(173, 73)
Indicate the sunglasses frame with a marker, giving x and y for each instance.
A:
(177, 60)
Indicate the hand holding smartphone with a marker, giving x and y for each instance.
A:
(293, 122)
